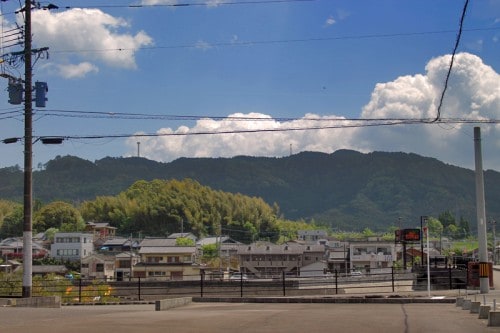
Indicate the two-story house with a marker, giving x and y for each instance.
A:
(72, 246)
(372, 257)
(267, 260)
(162, 259)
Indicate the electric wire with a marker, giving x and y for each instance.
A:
(457, 42)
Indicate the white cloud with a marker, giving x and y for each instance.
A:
(72, 71)
(473, 93)
(89, 35)
(203, 45)
(272, 143)
(330, 21)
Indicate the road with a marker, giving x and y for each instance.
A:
(250, 318)
(245, 318)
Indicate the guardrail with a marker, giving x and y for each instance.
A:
(316, 283)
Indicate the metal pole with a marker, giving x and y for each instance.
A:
(428, 262)
(28, 146)
(481, 215)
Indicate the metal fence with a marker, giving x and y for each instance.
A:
(316, 283)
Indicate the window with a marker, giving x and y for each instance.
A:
(99, 268)
(123, 263)
(67, 252)
(154, 259)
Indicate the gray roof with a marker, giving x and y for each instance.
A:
(167, 249)
(46, 269)
(258, 248)
(117, 241)
(156, 242)
(215, 240)
(182, 235)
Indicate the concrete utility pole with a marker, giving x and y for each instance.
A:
(28, 158)
(484, 283)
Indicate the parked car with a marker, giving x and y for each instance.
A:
(238, 276)
(356, 273)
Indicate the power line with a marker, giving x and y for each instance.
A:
(355, 123)
(271, 42)
(176, 5)
(457, 42)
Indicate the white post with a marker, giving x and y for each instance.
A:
(428, 262)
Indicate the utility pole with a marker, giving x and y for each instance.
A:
(484, 283)
(28, 158)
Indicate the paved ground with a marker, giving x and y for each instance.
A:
(245, 318)
(254, 317)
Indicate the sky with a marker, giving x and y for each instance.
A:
(164, 79)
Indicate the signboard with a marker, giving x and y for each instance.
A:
(408, 235)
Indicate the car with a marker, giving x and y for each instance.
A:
(356, 273)
(238, 276)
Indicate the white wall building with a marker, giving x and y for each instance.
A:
(72, 246)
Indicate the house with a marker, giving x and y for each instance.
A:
(312, 236)
(124, 263)
(161, 259)
(101, 231)
(12, 248)
(72, 246)
(338, 257)
(187, 235)
(98, 266)
(118, 245)
(267, 260)
(228, 246)
(168, 263)
(371, 257)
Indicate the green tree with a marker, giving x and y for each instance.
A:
(464, 227)
(446, 218)
(435, 227)
(184, 241)
(59, 215)
(12, 225)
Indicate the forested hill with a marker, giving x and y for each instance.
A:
(343, 189)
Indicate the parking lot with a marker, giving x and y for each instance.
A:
(244, 318)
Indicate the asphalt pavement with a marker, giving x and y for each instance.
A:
(244, 318)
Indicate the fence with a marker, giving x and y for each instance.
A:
(137, 289)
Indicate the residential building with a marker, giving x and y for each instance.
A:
(338, 257)
(372, 257)
(12, 248)
(71, 246)
(161, 259)
(98, 266)
(118, 245)
(312, 236)
(267, 260)
(124, 263)
(102, 231)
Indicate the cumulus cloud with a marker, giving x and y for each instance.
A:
(473, 93)
(277, 139)
(88, 35)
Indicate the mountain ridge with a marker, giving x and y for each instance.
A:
(343, 189)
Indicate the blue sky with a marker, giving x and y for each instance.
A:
(275, 65)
